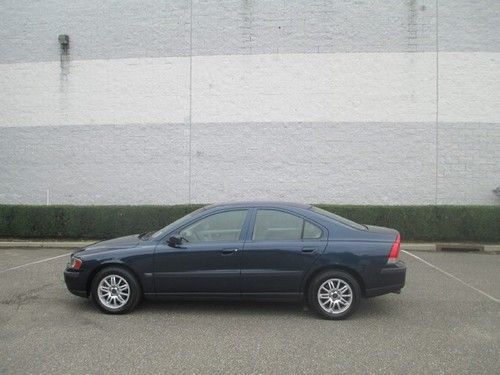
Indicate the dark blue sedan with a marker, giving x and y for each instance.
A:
(274, 251)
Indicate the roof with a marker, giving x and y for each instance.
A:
(261, 204)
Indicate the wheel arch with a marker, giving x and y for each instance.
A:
(334, 267)
(109, 265)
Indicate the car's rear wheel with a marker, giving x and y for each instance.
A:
(334, 294)
(115, 290)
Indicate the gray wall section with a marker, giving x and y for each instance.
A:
(308, 26)
(97, 29)
(153, 28)
(468, 163)
(469, 25)
(95, 165)
(359, 163)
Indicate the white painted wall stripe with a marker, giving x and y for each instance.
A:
(356, 87)
(352, 87)
(469, 87)
(121, 91)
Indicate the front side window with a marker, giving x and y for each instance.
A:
(273, 225)
(220, 227)
(177, 223)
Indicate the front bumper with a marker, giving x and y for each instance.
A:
(76, 282)
(391, 279)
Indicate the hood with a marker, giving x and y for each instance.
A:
(115, 243)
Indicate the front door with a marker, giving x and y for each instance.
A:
(281, 249)
(208, 260)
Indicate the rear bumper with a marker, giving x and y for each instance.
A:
(390, 280)
(76, 282)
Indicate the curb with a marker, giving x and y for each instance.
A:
(430, 247)
(44, 244)
(458, 247)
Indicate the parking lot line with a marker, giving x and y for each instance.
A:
(36, 262)
(452, 276)
(404, 251)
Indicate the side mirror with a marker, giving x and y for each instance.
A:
(175, 240)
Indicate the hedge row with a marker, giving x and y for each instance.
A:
(430, 223)
(416, 223)
(85, 222)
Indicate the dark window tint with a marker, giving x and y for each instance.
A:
(277, 225)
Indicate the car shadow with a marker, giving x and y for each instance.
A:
(225, 307)
(368, 309)
(371, 308)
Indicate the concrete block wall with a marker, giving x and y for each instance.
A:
(360, 102)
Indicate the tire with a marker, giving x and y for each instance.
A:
(340, 295)
(115, 290)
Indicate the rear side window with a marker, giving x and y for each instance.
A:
(278, 225)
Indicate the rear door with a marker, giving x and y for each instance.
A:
(280, 249)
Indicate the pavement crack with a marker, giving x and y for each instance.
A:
(25, 297)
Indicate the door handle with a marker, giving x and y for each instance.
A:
(308, 249)
(229, 251)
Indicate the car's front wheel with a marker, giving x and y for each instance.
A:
(334, 294)
(115, 290)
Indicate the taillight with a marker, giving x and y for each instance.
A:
(394, 253)
(76, 264)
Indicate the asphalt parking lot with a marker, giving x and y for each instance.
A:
(439, 324)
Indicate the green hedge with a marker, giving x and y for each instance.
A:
(85, 222)
(416, 223)
(430, 223)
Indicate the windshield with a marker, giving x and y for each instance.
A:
(338, 218)
(163, 231)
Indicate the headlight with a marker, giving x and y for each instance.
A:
(75, 263)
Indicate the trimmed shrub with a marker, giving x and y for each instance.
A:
(85, 222)
(416, 223)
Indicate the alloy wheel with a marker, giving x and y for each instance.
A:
(113, 291)
(335, 296)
